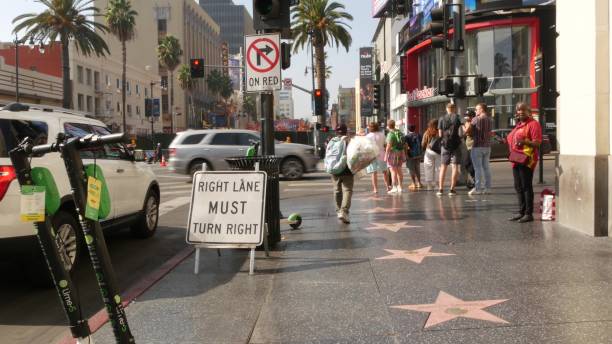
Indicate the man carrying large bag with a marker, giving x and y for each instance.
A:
(342, 177)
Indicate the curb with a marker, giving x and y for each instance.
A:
(101, 317)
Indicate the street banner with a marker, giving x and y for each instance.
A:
(227, 208)
(365, 81)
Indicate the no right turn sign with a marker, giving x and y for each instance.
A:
(263, 68)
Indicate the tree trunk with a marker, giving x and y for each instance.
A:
(66, 82)
(123, 84)
(171, 97)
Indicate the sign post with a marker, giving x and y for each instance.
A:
(227, 211)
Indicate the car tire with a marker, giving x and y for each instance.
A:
(292, 168)
(196, 166)
(68, 238)
(146, 225)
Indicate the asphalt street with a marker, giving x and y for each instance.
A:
(30, 315)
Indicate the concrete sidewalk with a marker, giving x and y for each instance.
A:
(425, 270)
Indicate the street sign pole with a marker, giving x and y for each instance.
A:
(267, 127)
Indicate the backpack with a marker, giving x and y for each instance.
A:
(396, 140)
(413, 140)
(451, 139)
(335, 156)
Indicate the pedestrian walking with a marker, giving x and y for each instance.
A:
(377, 165)
(524, 142)
(468, 140)
(414, 154)
(342, 177)
(395, 157)
(158, 153)
(448, 129)
(431, 161)
(482, 126)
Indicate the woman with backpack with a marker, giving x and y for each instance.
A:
(377, 165)
(431, 161)
(395, 157)
(414, 155)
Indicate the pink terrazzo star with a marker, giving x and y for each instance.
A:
(379, 210)
(415, 256)
(448, 307)
(393, 227)
(370, 198)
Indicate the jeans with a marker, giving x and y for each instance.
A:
(343, 192)
(480, 160)
(431, 162)
(523, 177)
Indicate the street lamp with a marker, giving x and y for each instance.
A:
(17, 43)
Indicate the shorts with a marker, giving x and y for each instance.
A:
(376, 166)
(452, 157)
(412, 164)
(396, 159)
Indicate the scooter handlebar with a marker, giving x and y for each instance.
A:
(97, 140)
(44, 149)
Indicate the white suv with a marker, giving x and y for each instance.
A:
(133, 188)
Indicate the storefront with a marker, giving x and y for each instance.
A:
(505, 47)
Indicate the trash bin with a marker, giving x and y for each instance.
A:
(271, 165)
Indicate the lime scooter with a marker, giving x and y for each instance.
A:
(29, 177)
(78, 176)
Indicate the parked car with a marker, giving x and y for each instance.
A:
(192, 148)
(499, 145)
(133, 187)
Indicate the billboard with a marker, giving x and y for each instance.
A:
(366, 91)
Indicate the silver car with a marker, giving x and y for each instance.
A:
(190, 149)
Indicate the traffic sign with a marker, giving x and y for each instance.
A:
(227, 208)
(263, 68)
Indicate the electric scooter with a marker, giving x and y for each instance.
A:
(78, 176)
(38, 176)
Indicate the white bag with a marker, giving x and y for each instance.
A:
(361, 151)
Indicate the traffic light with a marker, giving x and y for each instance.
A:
(272, 16)
(481, 85)
(197, 68)
(439, 27)
(376, 96)
(325, 129)
(285, 55)
(319, 103)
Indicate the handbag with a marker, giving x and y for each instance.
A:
(516, 156)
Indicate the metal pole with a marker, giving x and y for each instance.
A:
(152, 118)
(267, 127)
(458, 58)
(315, 132)
(17, 42)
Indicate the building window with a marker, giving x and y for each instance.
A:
(89, 104)
(80, 74)
(137, 110)
(127, 87)
(88, 76)
(118, 107)
(129, 109)
(137, 89)
(118, 84)
(108, 82)
(97, 80)
(162, 26)
(80, 101)
(97, 106)
(146, 92)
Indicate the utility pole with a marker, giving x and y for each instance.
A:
(458, 56)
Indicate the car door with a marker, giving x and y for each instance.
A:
(96, 156)
(224, 145)
(127, 179)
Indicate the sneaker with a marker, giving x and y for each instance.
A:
(526, 218)
(343, 217)
(452, 192)
(339, 214)
(399, 189)
(440, 193)
(516, 217)
(392, 191)
(474, 191)
(486, 192)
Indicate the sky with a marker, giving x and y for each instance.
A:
(345, 66)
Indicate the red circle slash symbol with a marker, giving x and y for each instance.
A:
(261, 55)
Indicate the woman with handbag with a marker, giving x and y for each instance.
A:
(431, 160)
(523, 142)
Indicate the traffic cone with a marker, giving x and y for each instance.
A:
(163, 162)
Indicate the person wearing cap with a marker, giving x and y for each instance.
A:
(343, 182)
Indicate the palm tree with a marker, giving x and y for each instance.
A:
(68, 20)
(169, 54)
(121, 20)
(220, 84)
(322, 22)
(186, 83)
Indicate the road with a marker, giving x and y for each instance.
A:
(30, 315)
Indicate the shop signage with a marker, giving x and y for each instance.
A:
(426, 92)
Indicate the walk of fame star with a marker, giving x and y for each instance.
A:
(371, 198)
(378, 210)
(393, 227)
(448, 307)
(415, 256)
